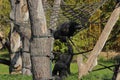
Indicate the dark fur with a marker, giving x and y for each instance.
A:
(62, 65)
(66, 30)
(4, 61)
(117, 1)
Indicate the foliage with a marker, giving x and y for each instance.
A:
(87, 38)
(114, 38)
(84, 40)
(4, 16)
(59, 47)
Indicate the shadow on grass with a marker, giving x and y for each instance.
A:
(4, 55)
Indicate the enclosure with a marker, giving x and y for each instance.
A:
(59, 39)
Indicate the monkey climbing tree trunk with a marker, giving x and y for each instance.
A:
(39, 48)
(86, 67)
(15, 40)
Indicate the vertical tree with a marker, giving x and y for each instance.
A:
(53, 22)
(54, 14)
(39, 41)
(118, 75)
(15, 41)
(20, 18)
(26, 35)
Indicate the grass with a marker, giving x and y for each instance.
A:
(4, 69)
(97, 75)
(15, 77)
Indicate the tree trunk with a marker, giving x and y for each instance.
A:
(80, 65)
(19, 15)
(44, 2)
(26, 35)
(118, 75)
(15, 40)
(26, 61)
(55, 14)
(100, 43)
(39, 47)
(53, 22)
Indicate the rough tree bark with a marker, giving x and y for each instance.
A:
(53, 22)
(55, 14)
(39, 42)
(26, 35)
(118, 75)
(44, 2)
(86, 67)
(20, 17)
(15, 40)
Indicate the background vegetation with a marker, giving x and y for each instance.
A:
(4, 17)
(84, 40)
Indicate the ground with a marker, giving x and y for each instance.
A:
(104, 58)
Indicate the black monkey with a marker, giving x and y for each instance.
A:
(17, 2)
(66, 30)
(117, 1)
(62, 65)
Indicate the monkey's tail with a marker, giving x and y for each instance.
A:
(4, 61)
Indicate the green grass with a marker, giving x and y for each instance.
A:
(14, 77)
(4, 69)
(4, 54)
(74, 74)
(97, 75)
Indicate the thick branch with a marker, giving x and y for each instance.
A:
(100, 43)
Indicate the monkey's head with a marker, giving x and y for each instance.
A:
(73, 27)
(66, 30)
